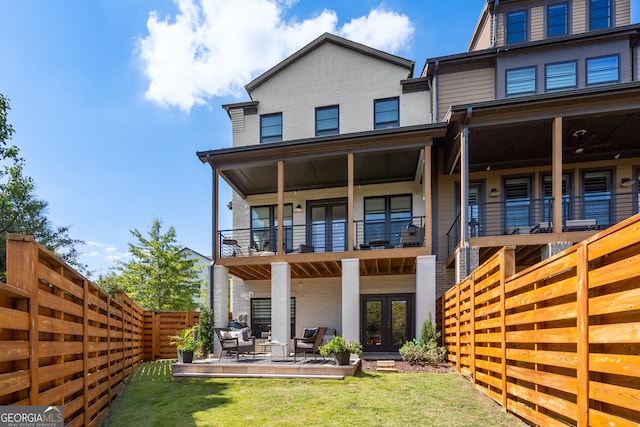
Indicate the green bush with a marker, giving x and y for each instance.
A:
(206, 334)
(425, 350)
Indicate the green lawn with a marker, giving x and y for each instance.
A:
(152, 397)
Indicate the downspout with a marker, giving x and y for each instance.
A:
(464, 190)
(214, 255)
(495, 23)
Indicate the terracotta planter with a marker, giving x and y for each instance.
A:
(342, 358)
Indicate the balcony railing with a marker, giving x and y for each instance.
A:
(323, 236)
(591, 212)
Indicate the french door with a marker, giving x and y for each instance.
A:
(387, 321)
(327, 230)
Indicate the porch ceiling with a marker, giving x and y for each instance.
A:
(315, 266)
(602, 124)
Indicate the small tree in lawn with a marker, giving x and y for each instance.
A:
(205, 331)
(159, 277)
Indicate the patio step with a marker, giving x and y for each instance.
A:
(386, 366)
(256, 375)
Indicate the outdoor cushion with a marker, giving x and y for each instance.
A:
(309, 332)
(227, 335)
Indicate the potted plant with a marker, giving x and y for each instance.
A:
(186, 344)
(340, 350)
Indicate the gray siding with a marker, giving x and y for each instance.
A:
(464, 87)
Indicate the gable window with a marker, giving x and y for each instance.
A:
(602, 70)
(517, 26)
(560, 76)
(386, 113)
(557, 20)
(521, 81)
(385, 217)
(599, 14)
(261, 317)
(327, 120)
(271, 128)
(264, 228)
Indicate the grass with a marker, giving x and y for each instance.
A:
(152, 397)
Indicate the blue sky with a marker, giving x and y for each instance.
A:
(111, 99)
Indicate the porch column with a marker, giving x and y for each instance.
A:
(464, 187)
(556, 175)
(428, 196)
(220, 294)
(351, 299)
(281, 303)
(350, 229)
(425, 290)
(281, 248)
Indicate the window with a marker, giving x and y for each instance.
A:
(521, 81)
(597, 197)
(547, 213)
(517, 26)
(327, 120)
(385, 217)
(327, 225)
(264, 228)
(557, 20)
(517, 204)
(560, 76)
(271, 128)
(387, 113)
(599, 14)
(602, 70)
(261, 316)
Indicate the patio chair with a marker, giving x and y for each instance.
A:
(310, 342)
(235, 340)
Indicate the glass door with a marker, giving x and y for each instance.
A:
(327, 221)
(387, 322)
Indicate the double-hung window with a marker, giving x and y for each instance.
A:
(521, 81)
(271, 128)
(602, 70)
(327, 120)
(599, 14)
(517, 26)
(386, 113)
(560, 76)
(557, 20)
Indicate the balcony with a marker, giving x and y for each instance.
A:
(530, 217)
(323, 237)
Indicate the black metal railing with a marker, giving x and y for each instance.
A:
(590, 212)
(323, 236)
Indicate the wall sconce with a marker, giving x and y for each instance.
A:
(494, 192)
(627, 182)
(298, 208)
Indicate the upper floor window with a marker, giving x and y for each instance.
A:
(602, 70)
(557, 20)
(327, 120)
(271, 128)
(521, 81)
(560, 76)
(386, 113)
(599, 14)
(517, 26)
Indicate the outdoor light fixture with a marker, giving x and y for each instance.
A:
(627, 182)
(298, 208)
(494, 192)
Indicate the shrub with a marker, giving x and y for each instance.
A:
(206, 334)
(425, 350)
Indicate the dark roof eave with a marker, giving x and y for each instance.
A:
(333, 144)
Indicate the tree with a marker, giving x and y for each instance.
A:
(159, 276)
(20, 211)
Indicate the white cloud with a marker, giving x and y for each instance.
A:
(101, 256)
(215, 47)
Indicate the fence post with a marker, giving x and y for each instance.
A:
(85, 345)
(472, 325)
(22, 272)
(582, 296)
(507, 269)
(458, 327)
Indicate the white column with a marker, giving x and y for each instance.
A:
(425, 290)
(220, 301)
(351, 299)
(281, 303)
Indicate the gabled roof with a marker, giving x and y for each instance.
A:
(330, 38)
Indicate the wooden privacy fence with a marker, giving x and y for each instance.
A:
(558, 343)
(65, 342)
(158, 325)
